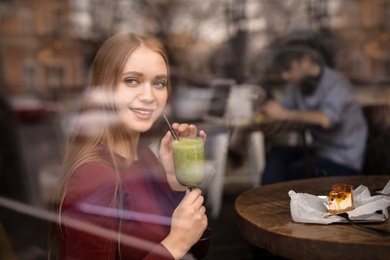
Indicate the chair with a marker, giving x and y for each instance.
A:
(241, 105)
(250, 174)
(256, 147)
(377, 153)
(215, 171)
(219, 140)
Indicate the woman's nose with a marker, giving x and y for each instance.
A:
(146, 94)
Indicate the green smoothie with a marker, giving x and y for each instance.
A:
(188, 156)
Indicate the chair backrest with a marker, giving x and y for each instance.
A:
(191, 103)
(217, 106)
(377, 153)
(377, 117)
(242, 103)
(233, 104)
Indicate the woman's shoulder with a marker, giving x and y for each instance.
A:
(91, 183)
(98, 171)
(97, 163)
(90, 177)
(96, 168)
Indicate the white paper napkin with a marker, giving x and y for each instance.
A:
(308, 208)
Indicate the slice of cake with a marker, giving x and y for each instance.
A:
(340, 198)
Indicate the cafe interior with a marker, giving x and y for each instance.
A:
(222, 73)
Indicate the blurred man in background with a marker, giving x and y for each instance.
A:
(322, 100)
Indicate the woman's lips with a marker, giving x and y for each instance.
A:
(141, 111)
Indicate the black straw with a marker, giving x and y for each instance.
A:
(170, 128)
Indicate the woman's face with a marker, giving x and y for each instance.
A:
(143, 90)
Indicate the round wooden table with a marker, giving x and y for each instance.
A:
(264, 219)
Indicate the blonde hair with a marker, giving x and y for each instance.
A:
(87, 135)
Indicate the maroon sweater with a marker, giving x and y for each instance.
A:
(142, 210)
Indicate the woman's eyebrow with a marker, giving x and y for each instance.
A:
(133, 73)
(161, 76)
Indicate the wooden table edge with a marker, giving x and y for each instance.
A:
(247, 230)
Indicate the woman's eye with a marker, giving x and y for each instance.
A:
(160, 84)
(131, 81)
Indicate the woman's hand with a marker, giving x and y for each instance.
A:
(166, 152)
(189, 221)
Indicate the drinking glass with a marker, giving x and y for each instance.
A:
(188, 154)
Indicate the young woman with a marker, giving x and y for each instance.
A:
(128, 202)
